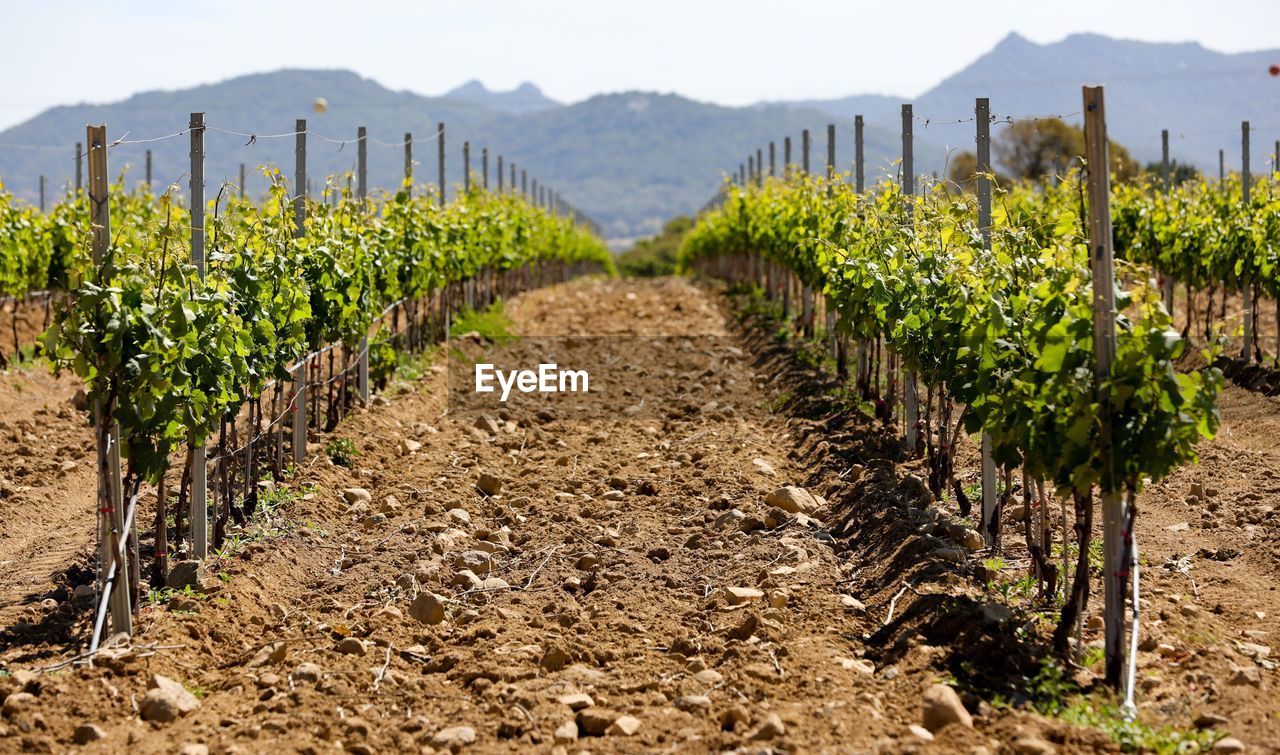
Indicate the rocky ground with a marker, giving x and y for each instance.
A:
(724, 562)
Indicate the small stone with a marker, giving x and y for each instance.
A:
(409, 446)
(970, 538)
(778, 599)
(489, 484)
(852, 603)
(708, 676)
(942, 706)
(1179, 527)
(193, 748)
(566, 733)
(454, 738)
(307, 672)
(185, 573)
(428, 608)
(1249, 675)
(80, 400)
(554, 658)
(374, 521)
(693, 703)
(166, 700)
(354, 495)
(1094, 622)
(769, 728)
(467, 579)
(764, 467)
(1032, 745)
(460, 516)
(1210, 720)
(624, 726)
(595, 721)
(1227, 745)
(920, 732)
(494, 583)
(736, 596)
(17, 701)
(1189, 609)
(954, 555)
(1166, 650)
(792, 500)
(83, 594)
(577, 701)
(86, 733)
(352, 646)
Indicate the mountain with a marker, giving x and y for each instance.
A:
(525, 98)
(1199, 95)
(630, 160)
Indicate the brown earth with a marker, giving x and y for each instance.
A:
(618, 541)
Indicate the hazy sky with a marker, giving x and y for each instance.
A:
(726, 51)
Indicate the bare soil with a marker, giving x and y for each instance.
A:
(617, 542)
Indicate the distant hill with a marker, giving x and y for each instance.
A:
(525, 98)
(1200, 95)
(630, 160)
(634, 159)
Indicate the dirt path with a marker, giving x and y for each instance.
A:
(627, 588)
(47, 481)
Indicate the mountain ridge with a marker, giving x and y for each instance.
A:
(633, 159)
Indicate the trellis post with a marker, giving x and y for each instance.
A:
(440, 155)
(982, 118)
(1249, 324)
(911, 399)
(857, 153)
(198, 513)
(1114, 519)
(300, 221)
(408, 162)
(110, 492)
(362, 192)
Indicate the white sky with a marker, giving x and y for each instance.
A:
(728, 51)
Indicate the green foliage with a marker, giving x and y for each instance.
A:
(167, 352)
(656, 256)
(491, 323)
(1008, 331)
(342, 451)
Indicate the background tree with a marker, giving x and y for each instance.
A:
(1036, 149)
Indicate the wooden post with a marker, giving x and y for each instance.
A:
(982, 118)
(41, 192)
(408, 162)
(857, 154)
(773, 158)
(1166, 280)
(362, 193)
(198, 513)
(484, 168)
(804, 151)
(79, 167)
(440, 155)
(759, 167)
(751, 170)
(1222, 167)
(243, 190)
(1247, 349)
(300, 221)
(110, 492)
(524, 183)
(466, 167)
(831, 152)
(911, 399)
(786, 155)
(499, 174)
(1114, 520)
(148, 170)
